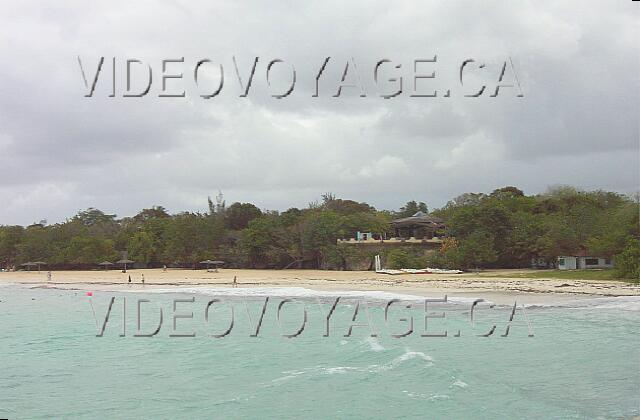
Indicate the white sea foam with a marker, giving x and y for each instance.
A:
(407, 355)
(318, 370)
(301, 292)
(438, 397)
(458, 383)
(431, 398)
(374, 344)
(291, 374)
(627, 303)
(337, 369)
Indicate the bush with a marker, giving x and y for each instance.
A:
(443, 260)
(447, 257)
(628, 262)
(400, 258)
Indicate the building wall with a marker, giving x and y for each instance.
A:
(567, 263)
(573, 263)
(595, 262)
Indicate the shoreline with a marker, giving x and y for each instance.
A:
(501, 290)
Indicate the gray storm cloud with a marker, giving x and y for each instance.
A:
(60, 151)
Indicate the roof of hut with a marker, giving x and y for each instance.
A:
(418, 219)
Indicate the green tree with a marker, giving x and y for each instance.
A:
(190, 237)
(412, 208)
(340, 206)
(89, 250)
(238, 215)
(142, 247)
(155, 212)
(477, 250)
(265, 242)
(507, 192)
(10, 239)
(36, 244)
(321, 233)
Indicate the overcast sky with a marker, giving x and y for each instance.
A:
(577, 64)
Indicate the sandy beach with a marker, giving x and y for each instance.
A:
(489, 284)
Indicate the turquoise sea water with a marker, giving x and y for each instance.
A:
(582, 362)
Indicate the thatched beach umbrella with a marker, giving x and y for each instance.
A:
(29, 265)
(214, 263)
(106, 264)
(125, 262)
(207, 262)
(39, 263)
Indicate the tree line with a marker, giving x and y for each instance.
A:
(504, 228)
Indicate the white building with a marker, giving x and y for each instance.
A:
(578, 263)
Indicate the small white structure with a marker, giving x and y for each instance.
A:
(363, 236)
(579, 263)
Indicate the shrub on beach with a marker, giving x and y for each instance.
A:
(401, 258)
(627, 263)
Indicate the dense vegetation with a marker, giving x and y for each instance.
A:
(502, 229)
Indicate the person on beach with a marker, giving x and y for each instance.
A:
(48, 275)
(143, 279)
(129, 278)
(235, 281)
(164, 268)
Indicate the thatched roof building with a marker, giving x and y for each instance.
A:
(420, 225)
